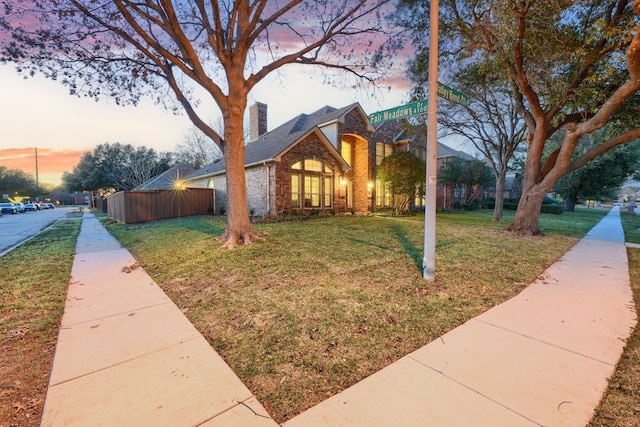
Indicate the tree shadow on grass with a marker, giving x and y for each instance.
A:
(203, 224)
(414, 252)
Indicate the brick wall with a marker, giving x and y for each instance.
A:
(309, 148)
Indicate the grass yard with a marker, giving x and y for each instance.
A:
(33, 290)
(323, 303)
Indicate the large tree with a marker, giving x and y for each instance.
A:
(575, 66)
(14, 181)
(115, 167)
(224, 48)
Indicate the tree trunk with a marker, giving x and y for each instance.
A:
(239, 229)
(570, 203)
(497, 209)
(526, 220)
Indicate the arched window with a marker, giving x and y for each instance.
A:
(311, 185)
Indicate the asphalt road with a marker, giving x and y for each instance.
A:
(17, 228)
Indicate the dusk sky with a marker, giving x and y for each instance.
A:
(40, 113)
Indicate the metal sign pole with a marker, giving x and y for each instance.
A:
(429, 260)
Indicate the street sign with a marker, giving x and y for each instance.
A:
(452, 95)
(419, 107)
(402, 112)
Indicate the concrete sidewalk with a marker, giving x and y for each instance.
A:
(127, 356)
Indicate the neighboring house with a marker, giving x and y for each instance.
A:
(513, 185)
(171, 179)
(314, 162)
(393, 136)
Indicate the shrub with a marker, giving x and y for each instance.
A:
(552, 209)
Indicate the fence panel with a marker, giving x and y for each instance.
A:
(141, 206)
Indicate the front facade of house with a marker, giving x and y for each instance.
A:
(323, 161)
(314, 162)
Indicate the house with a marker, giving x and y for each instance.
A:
(163, 196)
(314, 162)
(322, 161)
(171, 179)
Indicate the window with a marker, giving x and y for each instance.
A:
(312, 165)
(382, 150)
(328, 191)
(345, 151)
(311, 191)
(295, 191)
(383, 195)
(420, 152)
(311, 185)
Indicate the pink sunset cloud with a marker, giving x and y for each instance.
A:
(52, 163)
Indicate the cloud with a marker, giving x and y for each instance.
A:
(52, 163)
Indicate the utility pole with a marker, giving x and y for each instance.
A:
(429, 260)
(37, 186)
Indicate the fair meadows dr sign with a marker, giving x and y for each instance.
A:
(418, 108)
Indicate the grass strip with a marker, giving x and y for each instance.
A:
(620, 405)
(33, 289)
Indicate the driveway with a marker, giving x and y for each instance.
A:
(17, 228)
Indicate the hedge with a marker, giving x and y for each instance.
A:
(548, 206)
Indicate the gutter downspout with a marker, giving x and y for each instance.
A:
(268, 188)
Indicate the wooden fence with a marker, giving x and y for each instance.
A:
(141, 206)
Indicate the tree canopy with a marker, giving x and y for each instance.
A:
(601, 178)
(490, 121)
(196, 150)
(115, 167)
(14, 181)
(469, 179)
(404, 175)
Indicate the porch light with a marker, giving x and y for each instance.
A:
(179, 185)
(343, 181)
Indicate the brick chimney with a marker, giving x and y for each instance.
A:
(257, 120)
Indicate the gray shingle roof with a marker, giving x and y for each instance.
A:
(165, 180)
(269, 145)
(443, 151)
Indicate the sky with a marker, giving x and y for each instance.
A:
(40, 113)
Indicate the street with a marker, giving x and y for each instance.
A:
(19, 227)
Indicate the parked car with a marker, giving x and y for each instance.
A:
(43, 206)
(30, 207)
(8, 208)
(51, 205)
(19, 207)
